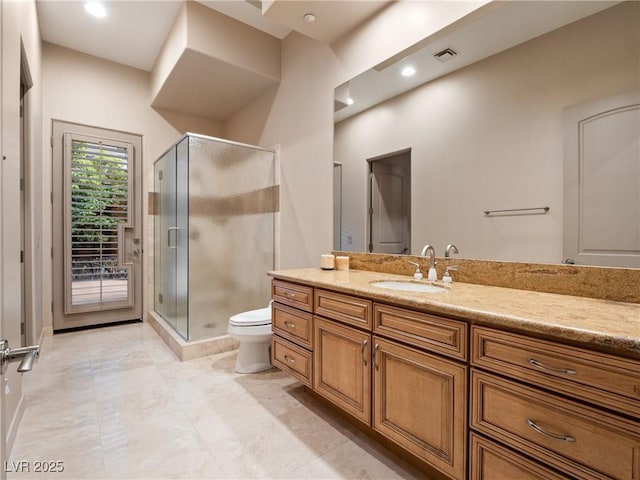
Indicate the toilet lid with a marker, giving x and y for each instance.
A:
(252, 318)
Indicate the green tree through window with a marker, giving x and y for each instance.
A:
(99, 202)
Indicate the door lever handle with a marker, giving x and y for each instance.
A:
(26, 355)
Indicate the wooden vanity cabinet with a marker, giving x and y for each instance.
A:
(420, 402)
(601, 379)
(291, 323)
(571, 409)
(419, 399)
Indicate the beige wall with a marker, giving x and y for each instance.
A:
(19, 25)
(295, 119)
(490, 136)
(83, 89)
(297, 116)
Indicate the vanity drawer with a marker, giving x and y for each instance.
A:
(298, 296)
(345, 308)
(582, 441)
(292, 359)
(437, 334)
(490, 461)
(293, 324)
(604, 380)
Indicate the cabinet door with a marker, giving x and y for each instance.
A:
(342, 367)
(420, 403)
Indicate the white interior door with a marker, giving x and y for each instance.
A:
(390, 204)
(3, 330)
(3, 428)
(602, 182)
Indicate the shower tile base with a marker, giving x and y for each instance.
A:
(185, 350)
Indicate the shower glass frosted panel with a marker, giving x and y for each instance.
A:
(214, 210)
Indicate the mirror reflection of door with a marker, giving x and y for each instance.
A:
(602, 182)
(390, 203)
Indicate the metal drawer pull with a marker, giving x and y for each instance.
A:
(289, 324)
(364, 345)
(566, 438)
(289, 359)
(566, 371)
(375, 355)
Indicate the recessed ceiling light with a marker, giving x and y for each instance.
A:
(96, 9)
(349, 101)
(309, 17)
(408, 71)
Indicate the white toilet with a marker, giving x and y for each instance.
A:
(253, 330)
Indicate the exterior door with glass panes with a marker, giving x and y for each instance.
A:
(97, 216)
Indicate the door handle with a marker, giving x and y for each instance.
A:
(169, 230)
(26, 355)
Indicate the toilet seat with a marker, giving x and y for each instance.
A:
(252, 318)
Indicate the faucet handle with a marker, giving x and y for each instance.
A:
(418, 274)
(447, 278)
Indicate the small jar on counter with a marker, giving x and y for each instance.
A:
(342, 263)
(327, 262)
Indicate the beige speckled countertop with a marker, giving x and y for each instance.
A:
(602, 324)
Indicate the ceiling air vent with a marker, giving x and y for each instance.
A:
(445, 55)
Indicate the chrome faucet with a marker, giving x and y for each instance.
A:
(428, 249)
(450, 248)
(432, 276)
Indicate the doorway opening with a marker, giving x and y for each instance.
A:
(26, 311)
(337, 206)
(389, 203)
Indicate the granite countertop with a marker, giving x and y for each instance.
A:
(603, 324)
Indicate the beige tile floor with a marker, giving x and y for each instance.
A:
(115, 403)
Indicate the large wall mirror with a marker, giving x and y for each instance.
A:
(529, 111)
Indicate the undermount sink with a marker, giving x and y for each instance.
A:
(408, 286)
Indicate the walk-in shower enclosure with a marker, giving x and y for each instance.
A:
(214, 210)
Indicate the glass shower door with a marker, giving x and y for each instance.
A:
(232, 205)
(171, 237)
(165, 238)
